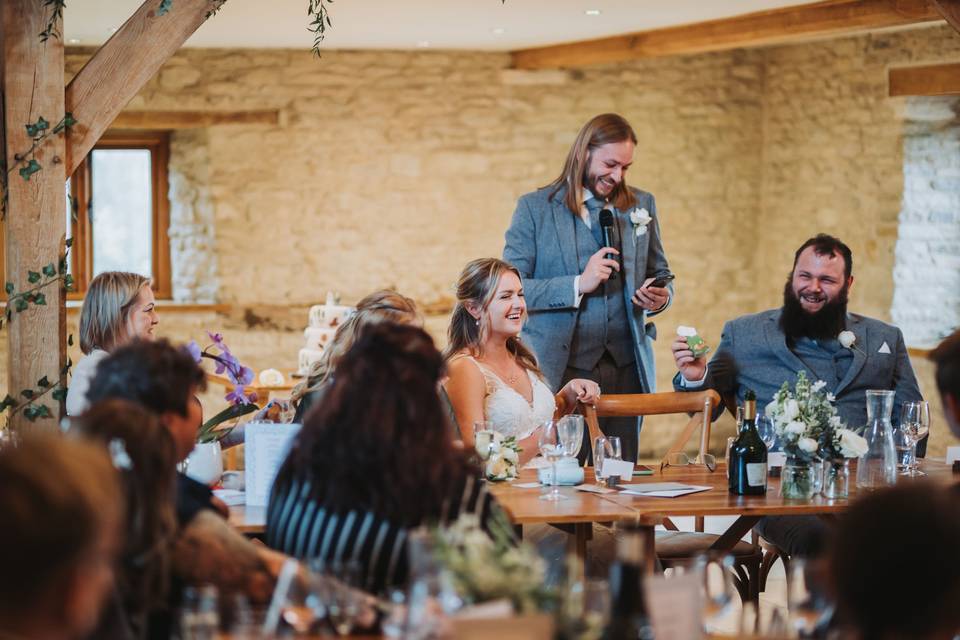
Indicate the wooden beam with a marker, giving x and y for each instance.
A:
(122, 66)
(754, 29)
(950, 10)
(163, 120)
(34, 229)
(933, 80)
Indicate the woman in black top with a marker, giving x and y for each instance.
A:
(374, 460)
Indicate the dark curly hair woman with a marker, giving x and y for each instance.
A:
(374, 460)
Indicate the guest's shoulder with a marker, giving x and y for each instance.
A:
(542, 197)
(643, 197)
(90, 361)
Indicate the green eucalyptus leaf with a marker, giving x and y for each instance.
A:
(33, 277)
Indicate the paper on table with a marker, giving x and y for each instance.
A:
(267, 444)
(662, 489)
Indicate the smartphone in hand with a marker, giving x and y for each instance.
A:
(659, 281)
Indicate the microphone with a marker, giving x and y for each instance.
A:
(606, 229)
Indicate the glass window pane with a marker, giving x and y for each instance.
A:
(122, 211)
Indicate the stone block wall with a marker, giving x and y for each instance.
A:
(395, 168)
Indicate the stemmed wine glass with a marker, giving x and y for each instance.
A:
(767, 430)
(553, 446)
(914, 425)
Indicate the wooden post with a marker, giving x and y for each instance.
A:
(32, 78)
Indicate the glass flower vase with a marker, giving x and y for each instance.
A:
(836, 478)
(798, 480)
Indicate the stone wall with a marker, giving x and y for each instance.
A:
(395, 168)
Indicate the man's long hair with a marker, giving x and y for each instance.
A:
(600, 130)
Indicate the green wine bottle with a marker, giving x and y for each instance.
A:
(748, 454)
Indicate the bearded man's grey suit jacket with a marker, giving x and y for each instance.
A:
(753, 353)
(542, 243)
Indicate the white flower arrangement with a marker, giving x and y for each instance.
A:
(807, 423)
(640, 218)
(500, 455)
(492, 564)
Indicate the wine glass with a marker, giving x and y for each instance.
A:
(914, 425)
(571, 430)
(553, 448)
(808, 608)
(718, 589)
(767, 430)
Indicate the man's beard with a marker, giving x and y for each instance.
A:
(590, 182)
(825, 324)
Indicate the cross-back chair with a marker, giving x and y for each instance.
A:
(675, 546)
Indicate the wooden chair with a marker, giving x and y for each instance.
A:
(674, 546)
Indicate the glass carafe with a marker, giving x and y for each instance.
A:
(878, 466)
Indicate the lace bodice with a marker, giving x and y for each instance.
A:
(508, 410)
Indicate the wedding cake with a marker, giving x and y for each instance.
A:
(324, 321)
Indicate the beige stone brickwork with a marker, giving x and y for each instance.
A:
(395, 168)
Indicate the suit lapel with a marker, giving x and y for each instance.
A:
(777, 343)
(628, 251)
(566, 234)
(859, 329)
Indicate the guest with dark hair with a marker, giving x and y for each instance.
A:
(895, 564)
(165, 380)
(374, 460)
(947, 358)
(144, 451)
(62, 521)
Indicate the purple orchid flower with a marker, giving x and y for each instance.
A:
(225, 362)
(194, 350)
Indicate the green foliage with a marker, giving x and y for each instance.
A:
(38, 127)
(208, 432)
(165, 6)
(56, 17)
(31, 168)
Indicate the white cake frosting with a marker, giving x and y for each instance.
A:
(324, 320)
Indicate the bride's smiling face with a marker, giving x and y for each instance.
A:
(507, 310)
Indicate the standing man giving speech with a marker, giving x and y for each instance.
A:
(588, 247)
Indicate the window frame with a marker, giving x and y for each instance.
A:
(81, 253)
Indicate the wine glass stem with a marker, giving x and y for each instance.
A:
(555, 491)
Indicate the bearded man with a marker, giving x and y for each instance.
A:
(766, 349)
(588, 302)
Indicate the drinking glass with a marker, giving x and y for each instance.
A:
(552, 447)
(298, 602)
(571, 430)
(718, 589)
(604, 447)
(914, 425)
(765, 427)
(809, 610)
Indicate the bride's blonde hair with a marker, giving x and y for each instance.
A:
(477, 285)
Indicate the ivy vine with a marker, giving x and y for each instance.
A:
(56, 17)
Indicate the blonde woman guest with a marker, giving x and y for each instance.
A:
(376, 308)
(118, 308)
(492, 375)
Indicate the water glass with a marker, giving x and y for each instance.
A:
(482, 443)
(915, 425)
(605, 447)
(200, 613)
(553, 448)
(298, 604)
(767, 430)
(571, 430)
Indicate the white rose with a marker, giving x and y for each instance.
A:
(496, 467)
(640, 217)
(831, 397)
(791, 410)
(851, 445)
(807, 444)
(847, 338)
(795, 427)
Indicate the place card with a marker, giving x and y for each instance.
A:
(953, 454)
(266, 447)
(621, 468)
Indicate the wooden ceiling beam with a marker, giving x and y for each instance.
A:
(122, 66)
(931, 80)
(163, 120)
(775, 26)
(950, 10)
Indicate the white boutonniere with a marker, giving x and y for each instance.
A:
(640, 218)
(848, 340)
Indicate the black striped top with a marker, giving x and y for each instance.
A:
(300, 526)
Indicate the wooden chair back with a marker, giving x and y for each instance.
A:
(700, 405)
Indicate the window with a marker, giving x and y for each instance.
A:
(120, 211)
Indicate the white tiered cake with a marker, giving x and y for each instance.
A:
(324, 321)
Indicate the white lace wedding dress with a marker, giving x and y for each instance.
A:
(508, 410)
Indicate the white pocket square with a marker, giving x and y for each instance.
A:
(884, 348)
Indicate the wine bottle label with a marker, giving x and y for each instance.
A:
(757, 474)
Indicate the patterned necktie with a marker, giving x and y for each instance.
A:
(593, 207)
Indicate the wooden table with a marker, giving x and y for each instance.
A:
(580, 510)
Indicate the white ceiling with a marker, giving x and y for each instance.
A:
(409, 24)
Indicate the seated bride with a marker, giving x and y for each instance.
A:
(493, 377)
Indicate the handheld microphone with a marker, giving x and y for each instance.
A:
(606, 229)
